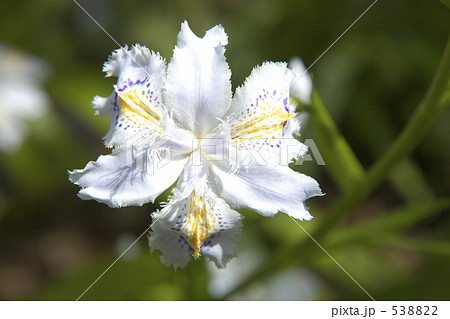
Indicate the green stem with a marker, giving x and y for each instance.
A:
(425, 245)
(341, 162)
(394, 221)
(413, 133)
(429, 109)
(446, 2)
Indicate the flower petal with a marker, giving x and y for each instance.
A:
(221, 248)
(198, 87)
(266, 189)
(176, 250)
(262, 105)
(135, 106)
(203, 222)
(128, 176)
(261, 116)
(135, 66)
(302, 85)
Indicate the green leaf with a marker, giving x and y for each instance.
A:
(410, 182)
(143, 278)
(425, 245)
(340, 161)
(407, 178)
(395, 221)
(446, 2)
(419, 124)
(365, 266)
(445, 100)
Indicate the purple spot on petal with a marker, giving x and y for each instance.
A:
(285, 103)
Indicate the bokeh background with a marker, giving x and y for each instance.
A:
(53, 245)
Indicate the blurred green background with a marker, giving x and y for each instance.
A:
(53, 245)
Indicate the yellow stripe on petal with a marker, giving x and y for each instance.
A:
(200, 224)
(265, 122)
(137, 112)
(201, 220)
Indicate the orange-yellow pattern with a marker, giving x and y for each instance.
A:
(137, 111)
(200, 224)
(263, 122)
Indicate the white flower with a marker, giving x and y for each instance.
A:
(183, 124)
(302, 86)
(22, 97)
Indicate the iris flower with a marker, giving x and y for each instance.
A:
(181, 124)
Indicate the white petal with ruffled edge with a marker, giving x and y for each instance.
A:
(135, 108)
(265, 189)
(200, 224)
(221, 248)
(135, 66)
(128, 176)
(261, 116)
(176, 250)
(198, 87)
